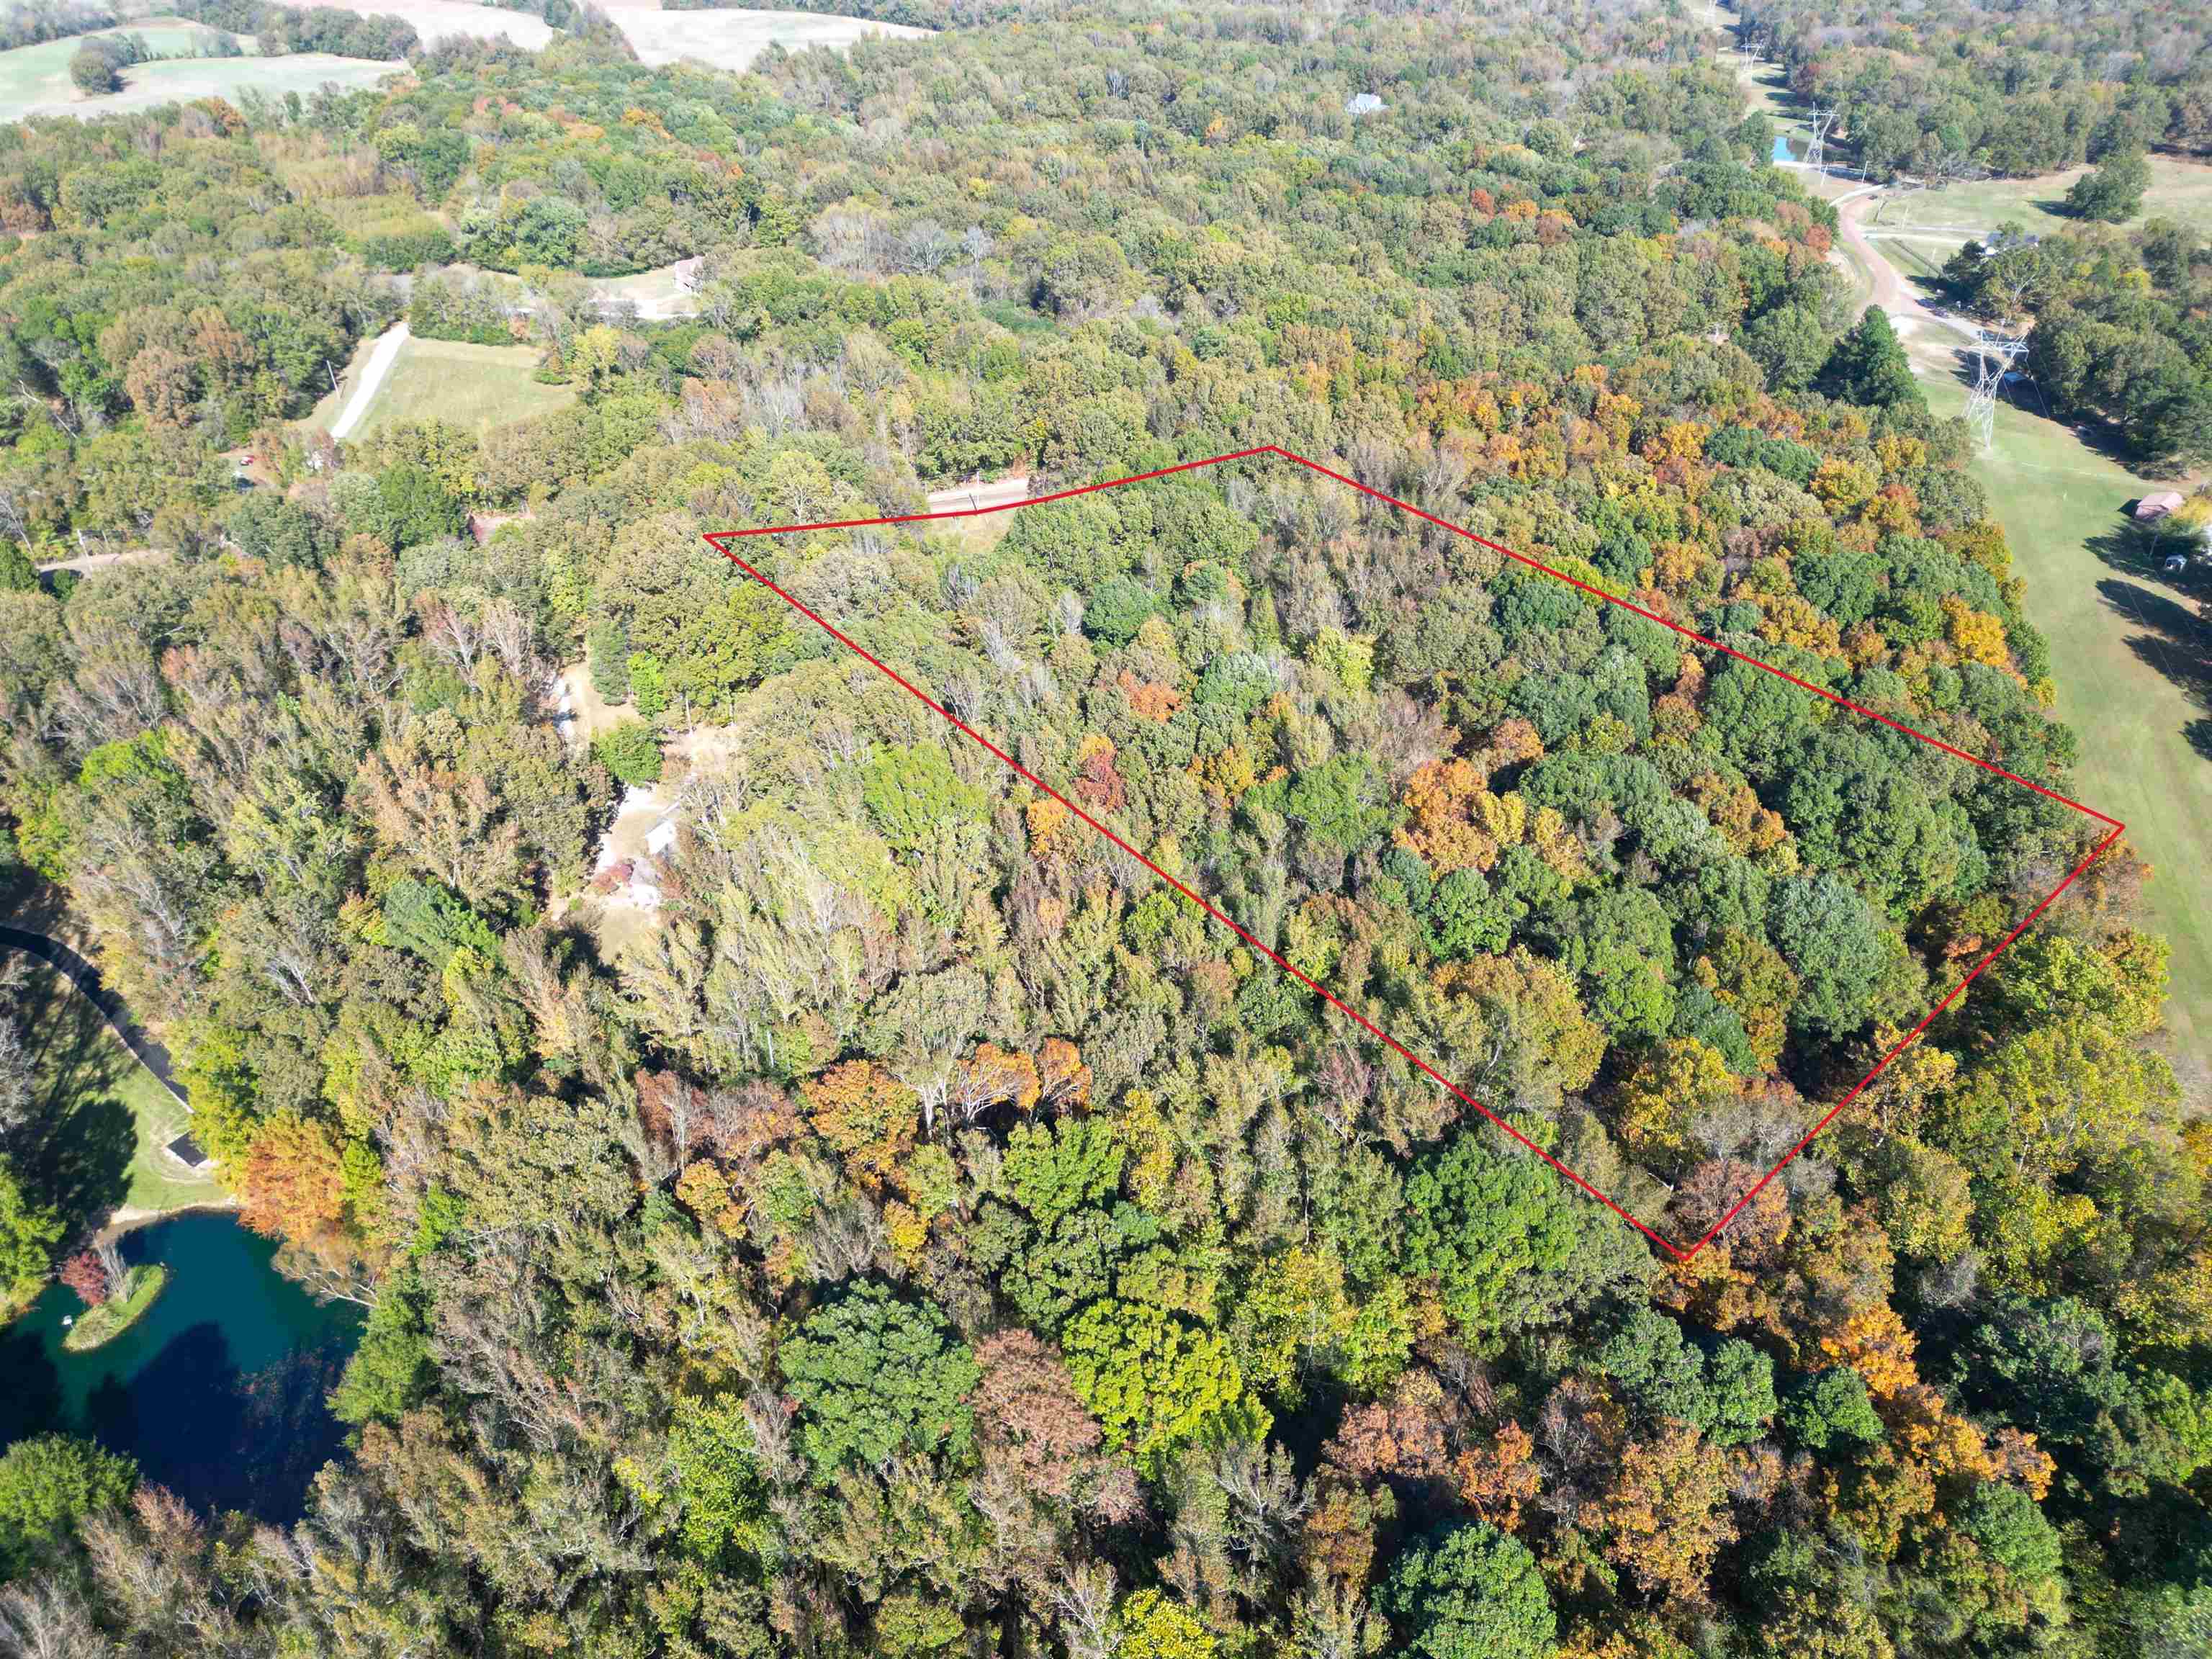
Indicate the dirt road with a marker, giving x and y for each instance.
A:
(87, 562)
(373, 374)
(1931, 338)
(979, 497)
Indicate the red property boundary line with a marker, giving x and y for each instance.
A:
(720, 540)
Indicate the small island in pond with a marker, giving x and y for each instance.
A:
(106, 1318)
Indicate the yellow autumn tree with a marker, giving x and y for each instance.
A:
(1975, 635)
(1663, 1092)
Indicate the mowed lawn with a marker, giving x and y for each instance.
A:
(2133, 661)
(2181, 191)
(473, 386)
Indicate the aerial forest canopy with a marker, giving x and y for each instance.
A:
(1953, 86)
(930, 1234)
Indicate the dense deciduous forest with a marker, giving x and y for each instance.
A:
(2015, 90)
(931, 1236)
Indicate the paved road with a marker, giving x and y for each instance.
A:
(86, 977)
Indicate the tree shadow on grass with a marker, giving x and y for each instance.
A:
(2103, 439)
(2168, 637)
(78, 1151)
(2141, 552)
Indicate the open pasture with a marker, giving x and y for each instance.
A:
(35, 80)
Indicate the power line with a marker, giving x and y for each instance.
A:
(1996, 352)
(1815, 151)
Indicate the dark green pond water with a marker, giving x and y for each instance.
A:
(218, 1390)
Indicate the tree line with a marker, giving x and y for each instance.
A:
(280, 29)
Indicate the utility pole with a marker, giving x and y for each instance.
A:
(1901, 186)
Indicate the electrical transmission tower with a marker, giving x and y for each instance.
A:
(1997, 352)
(1815, 151)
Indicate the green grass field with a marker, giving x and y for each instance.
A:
(35, 80)
(2133, 662)
(105, 1117)
(473, 386)
(1922, 260)
(2178, 189)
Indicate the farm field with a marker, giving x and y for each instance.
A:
(35, 81)
(473, 386)
(732, 39)
(727, 40)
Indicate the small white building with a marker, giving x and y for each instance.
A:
(1362, 103)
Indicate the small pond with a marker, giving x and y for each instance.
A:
(218, 1390)
(1782, 148)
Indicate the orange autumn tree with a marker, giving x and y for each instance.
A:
(292, 1183)
(1063, 1080)
(867, 1114)
(992, 1076)
(1454, 821)
(1667, 1516)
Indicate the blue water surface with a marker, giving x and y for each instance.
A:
(218, 1390)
